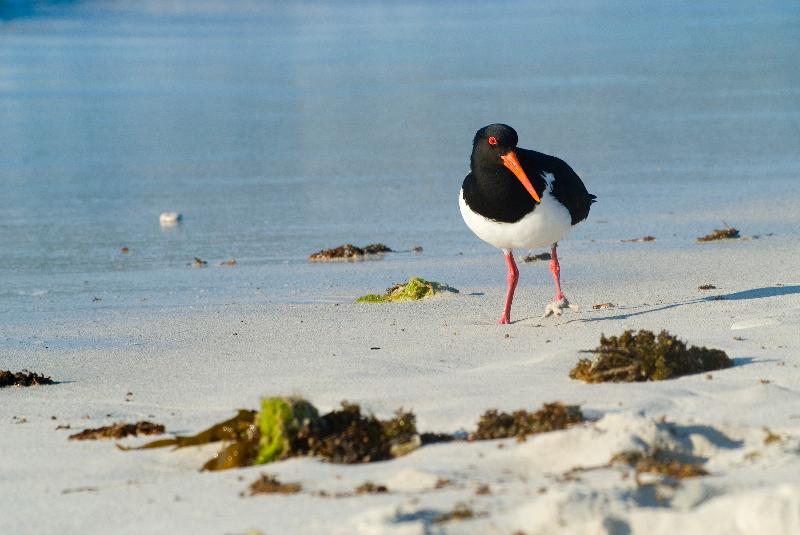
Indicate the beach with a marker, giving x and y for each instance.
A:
(274, 145)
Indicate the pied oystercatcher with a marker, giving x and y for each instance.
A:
(516, 197)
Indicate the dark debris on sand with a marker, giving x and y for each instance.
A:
(536, 257)
(119, 430)
(706, 287)
(659, 462)
(23, 378)
(368, 487)
(727, 233)
(348, 251)
(551, 417)
(268, 484)
(461, 511)
(638, 240)
(643, 356)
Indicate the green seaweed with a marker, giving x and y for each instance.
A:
(281, 422)
(415, 289)
(643, 356)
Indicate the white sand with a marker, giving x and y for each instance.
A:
(447, 360)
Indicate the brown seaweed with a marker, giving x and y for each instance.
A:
(348, 251)
(231, 429)
(268, 484)
(368, 487)
(461, 511)
(119, 430)
(23, 378)
(641, 239)
(643, 356)
(347, 436)
(660, 462)
(551, 417)
(727, 233)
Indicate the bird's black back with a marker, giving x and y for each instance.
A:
(495, 193)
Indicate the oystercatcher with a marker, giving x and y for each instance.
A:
(516, 197)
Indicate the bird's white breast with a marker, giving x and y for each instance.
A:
(547, 224)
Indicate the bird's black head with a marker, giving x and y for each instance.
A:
(494, 147)
(490, 143)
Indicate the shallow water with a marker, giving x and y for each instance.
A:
(282, 128)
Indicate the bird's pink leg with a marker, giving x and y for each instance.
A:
(512, 278)
(556, 269)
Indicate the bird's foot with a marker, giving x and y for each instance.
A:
(556, 308)
(505, 320)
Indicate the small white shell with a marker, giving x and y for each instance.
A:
(168, 219)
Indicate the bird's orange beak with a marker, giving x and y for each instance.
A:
(511, 162)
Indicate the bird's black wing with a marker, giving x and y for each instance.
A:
(566, 186)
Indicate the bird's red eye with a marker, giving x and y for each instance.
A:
(492, 140)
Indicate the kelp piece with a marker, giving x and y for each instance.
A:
(241, 452)
(415, 289)
(119, 430)
(348, 251)
(659, 462)
(231, 429)
(643, 356)
(551, 417)
(284, 425)
(727, 233)
(23, 378)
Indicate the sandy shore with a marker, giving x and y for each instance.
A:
(447, 361)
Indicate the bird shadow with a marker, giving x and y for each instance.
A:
(757, 293)
(754, 293)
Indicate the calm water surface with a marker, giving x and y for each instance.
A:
(279, 128)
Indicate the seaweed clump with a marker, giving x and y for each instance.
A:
(519, 424)
(727, 233)
(119, 430)
(291, 427)
(415, 289)
(23, 378)
(658, 462)
(348, 251)
(347, 436)
(643, 356)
